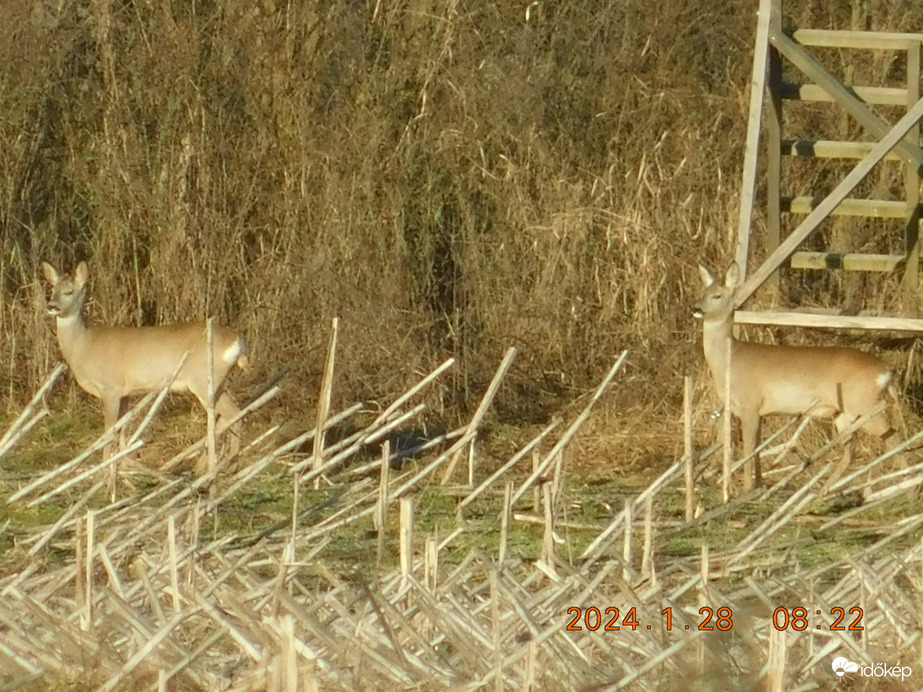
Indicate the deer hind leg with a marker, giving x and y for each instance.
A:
(227, 409)
(880, 427)
(842, 421)
(750, 430)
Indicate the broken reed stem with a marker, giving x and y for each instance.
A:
(362, 438)
(323, 405)
(406, 538)
(647, 554)
(626, 543)
(87, 620)
(158, 400)
(532, 444)
(222, 427)
(548, 532)
(65, 518)
(572, 430)
(174, 570)
(486, 400)
(210, 447)
(20, 426)
(110, 463)
(689, 453)
(410, 393)
(97, 445)
(381, 511)
(505, 522)
(727, 429)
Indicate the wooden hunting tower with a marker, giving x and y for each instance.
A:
(899, 142)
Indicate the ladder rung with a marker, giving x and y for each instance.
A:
(807, 319)
(850, 261)
(877, 208)
(863, 40)
(829, 149)
(880, 96)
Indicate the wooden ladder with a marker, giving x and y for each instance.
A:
(899, 142)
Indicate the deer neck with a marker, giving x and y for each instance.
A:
(72, 335)
(716, 333)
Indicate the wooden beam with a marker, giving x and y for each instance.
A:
(912, 193)
(850, 261)
(757, 86)
(822, 210)
(879, 96)
(871, 208)
(827, 321)
(863, 115)
(863, 40)
(830, 149)
(774, 146)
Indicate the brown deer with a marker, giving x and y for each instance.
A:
(824, 382)
(113, 363)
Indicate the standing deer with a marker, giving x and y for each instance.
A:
(113, 363)
(823, 382)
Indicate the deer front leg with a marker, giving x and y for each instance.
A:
(750, 430)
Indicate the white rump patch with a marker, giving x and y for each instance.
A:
(232, 352)
(883, 379)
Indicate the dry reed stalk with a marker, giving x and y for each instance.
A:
(652, 663)
(323, 407)
(601, 542)
(647, 559)
(497, 622)
(210, 445)
(548, 532)
(481, 410)
(86, 609)
(727, 432)
(572, 430)
(65, 518)
(364, 469)
(689, 452)
(171, 561)
(25, 421)
(109, 463)
(779, 518)
(775, 676)
(361, 438)
(406, 537)
(410, 393)
(504, 522)
(532, 444)
(143, 653)
(223, 426)
(96, 446)
(381, 510)
(431, 562)
(898, 449)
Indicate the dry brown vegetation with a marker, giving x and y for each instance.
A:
(447, 178)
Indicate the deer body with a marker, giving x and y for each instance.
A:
(824, 382)
(113, 363)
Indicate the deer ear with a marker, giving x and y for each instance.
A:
(81, 273)
(732, 276)
(707, 278)
(51, 276)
